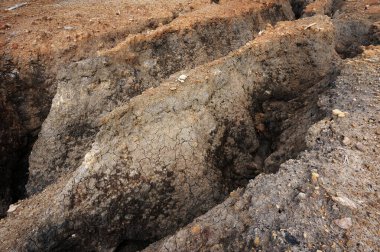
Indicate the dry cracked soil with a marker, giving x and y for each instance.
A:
(197, 125)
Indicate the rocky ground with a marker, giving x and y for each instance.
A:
(231, 125)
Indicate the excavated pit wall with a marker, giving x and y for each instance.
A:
(26, 97)
(273, 139)
(34, 46)
(152, 167)
(23, 119)
(89, 89)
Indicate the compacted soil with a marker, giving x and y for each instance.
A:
(231, 125)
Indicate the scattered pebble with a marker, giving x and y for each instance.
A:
(234, 194)
(346, 141)
(216, 71)
(69, 28)
(344, 223)
(12, 208)
(257, 241)
(182, 78)
(377, 131)
(274, 235)
(196, 229)
(314, 177)
(360, 146)
(345, 202)
(301, 195)
(339, 113)
(268, 92)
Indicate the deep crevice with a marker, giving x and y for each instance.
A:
(20, 171)
(281, 124)
(23, 103)
(351, 36)
(132, 245)
(298, 6)
(353, 32)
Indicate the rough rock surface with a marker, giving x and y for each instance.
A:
(327, 199)
(154, 165)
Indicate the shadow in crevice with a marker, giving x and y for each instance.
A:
(352, 35)
(298, 6)
(24, 104)
(132, 245)
(281, 123)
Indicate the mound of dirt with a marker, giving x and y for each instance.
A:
(327, 199)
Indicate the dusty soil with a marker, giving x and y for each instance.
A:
(190, 125)
(38, 39)
(326, 199)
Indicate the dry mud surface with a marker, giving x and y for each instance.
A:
(231, 125)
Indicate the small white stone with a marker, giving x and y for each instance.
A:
(301, 195)
(68, 28)
(346, 141)
(268, 92)
(344, 223)
(339, 113)
(12, 208)
(345, 202)
(360, 146)
(182, 78)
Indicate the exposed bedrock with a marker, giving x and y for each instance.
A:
(89, 89)
(155, 163)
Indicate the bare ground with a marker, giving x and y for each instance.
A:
(190, 126)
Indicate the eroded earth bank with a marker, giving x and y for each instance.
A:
(227, 125)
